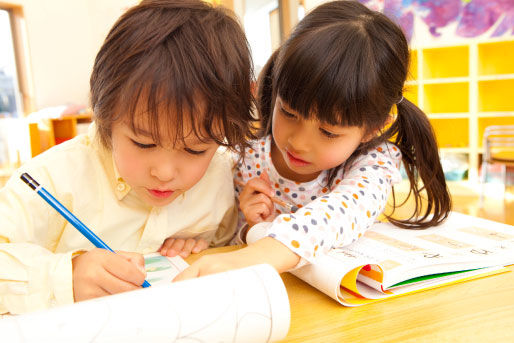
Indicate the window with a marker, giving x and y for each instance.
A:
(10, 105)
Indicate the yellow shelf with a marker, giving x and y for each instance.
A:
(496, 95)
(446, 97)
(496, 58)
(451, 133)
(446, 62)
(463, 89)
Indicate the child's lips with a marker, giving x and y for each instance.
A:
(161, 194)
(295, 160)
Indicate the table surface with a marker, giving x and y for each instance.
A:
(479, 310)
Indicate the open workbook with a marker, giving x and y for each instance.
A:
(388, 261)
(245, 305)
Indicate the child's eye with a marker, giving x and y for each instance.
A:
(194, 152)
(143, 146)
(287, 114)
(328, 134)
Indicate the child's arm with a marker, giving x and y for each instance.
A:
(266, 250)
(341, 216)
(33, 275)
(334, 220)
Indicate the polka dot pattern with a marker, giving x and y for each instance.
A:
(326, 218)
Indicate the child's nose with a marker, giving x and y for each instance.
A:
(164, 169)
(299, 140)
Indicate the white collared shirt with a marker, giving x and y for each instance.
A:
(36, 243)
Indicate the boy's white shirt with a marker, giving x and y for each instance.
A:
(37, 244)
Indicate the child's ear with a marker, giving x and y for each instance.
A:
(367, 137)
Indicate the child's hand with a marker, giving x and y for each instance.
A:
(183, 247)
(267, 250)
(255, 200)
(99, 272)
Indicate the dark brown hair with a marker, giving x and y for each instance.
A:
(180, 62)
(345, 64)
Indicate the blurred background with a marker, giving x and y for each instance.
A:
(461, 75)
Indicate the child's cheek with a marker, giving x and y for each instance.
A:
(333, 158)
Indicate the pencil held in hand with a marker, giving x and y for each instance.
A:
(290, 207)
(70, 217)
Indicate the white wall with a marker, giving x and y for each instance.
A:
(63, 39)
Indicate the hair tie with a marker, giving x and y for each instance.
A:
(401, 99)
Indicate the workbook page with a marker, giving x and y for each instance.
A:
(245, 305)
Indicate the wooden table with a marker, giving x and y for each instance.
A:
(475, 311)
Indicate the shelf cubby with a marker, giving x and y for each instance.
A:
(496, 58)
(445, 62)
(446, 97)
(496, 95)
(451, 133)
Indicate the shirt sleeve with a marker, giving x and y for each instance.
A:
(32, 276)
(343, 215)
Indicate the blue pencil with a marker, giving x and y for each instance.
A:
(90, 235)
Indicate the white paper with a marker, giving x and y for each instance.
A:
(245, 305)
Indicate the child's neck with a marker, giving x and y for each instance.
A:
(283, 170)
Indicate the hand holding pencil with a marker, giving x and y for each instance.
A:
(257, 198)
(100, 271)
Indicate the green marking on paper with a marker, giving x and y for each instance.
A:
(429, 277)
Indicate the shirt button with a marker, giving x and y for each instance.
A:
(121, 187)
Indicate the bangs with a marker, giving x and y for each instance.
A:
(169, 117)
(184, 65)
(178, 95)
(334, 86)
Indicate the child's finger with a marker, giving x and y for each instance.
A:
(258, 185)
(257, 199)
(256, 213)
(121, 268)
(188, 246)
(112, 283)
(200, 245)
(176, 247)
(166, 246)
(264, 176)
(137, 259)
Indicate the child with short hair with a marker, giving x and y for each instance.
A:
(335, 128)
(170, 85)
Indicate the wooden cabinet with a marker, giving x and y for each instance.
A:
(55, 131)
(463, 89)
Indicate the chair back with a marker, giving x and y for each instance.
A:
(499, 144)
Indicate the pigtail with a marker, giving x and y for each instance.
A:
(414, 136)
(265, 95)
